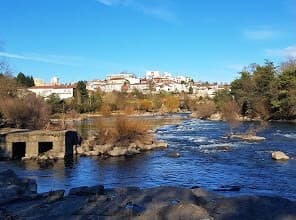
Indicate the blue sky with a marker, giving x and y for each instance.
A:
(209, 40)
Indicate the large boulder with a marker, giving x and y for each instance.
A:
(161, 144)
(103, 149)
(50, 155)
(216, 117)
(253, 207)
(147, 147)
(184, 211)
(14, 188)
(93, 153)
(118, 151)
(279, 155)
(133, 149)
(54, 196)
(85, 190)
(79, 150)
(247, 137)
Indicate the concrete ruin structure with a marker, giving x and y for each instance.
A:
(19, 143)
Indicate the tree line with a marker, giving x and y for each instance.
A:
(266, 91)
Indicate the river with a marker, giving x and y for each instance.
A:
(207, 160)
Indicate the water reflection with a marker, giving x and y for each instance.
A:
(69, 161)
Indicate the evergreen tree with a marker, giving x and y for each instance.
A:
(24, 81)
(80, 97)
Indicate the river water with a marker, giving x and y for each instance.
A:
(208, 160)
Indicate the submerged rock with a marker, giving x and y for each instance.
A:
(279, 155)
(174, 154)
(223, 148)
(228, 188)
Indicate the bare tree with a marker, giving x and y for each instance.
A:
(230, 111)
(27, 112)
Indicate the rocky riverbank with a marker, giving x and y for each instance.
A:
(20, 200)
(90, 147)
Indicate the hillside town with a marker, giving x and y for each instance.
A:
(154, 82)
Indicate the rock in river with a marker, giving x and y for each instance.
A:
(173, 154)
(247, 137)
(118, 151)
(279, 155)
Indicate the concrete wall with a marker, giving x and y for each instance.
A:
(62, 141)
(63, 93)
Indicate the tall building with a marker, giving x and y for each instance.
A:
(54, 81)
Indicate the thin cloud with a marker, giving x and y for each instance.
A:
(160, 11)
(260, 33)
(105, 2)
(285, 52)
(111, 2)
(157, 12)
(54, 59)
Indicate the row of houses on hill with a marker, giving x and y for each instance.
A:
(154, 82)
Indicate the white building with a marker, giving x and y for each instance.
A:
(142, 87)
(155, 82)
(55, 81)
(122, 78)
(63, 92)
(38, 82)
(172, 87)
(96, 85)
(206, 91)
(152, 74)
(112, 87)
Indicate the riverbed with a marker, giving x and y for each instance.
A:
(207, 159)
